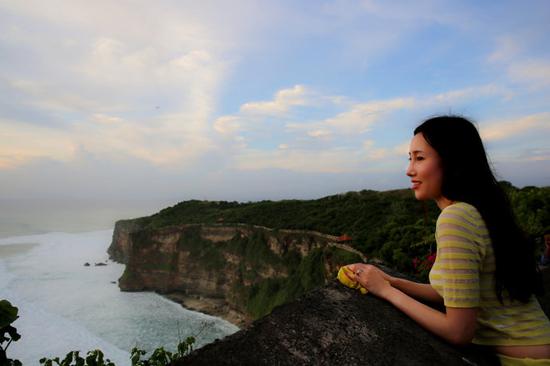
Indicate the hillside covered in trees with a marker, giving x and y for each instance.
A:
(390, 225)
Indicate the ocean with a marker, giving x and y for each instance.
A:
(65, 305)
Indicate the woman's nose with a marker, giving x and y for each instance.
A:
(410, 170)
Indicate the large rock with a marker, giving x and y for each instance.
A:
(335, 325)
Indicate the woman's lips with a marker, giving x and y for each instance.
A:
(415, 184)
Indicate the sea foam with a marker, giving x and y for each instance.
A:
(64, 305)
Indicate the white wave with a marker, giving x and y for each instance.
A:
(66, 306)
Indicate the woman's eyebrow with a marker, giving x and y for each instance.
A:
(416, 152)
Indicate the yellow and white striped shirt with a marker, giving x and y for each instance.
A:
(464, 275)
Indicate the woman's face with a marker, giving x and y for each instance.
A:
(424, 169)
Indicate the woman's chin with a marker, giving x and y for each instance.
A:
(419, 196)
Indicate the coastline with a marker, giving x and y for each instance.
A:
(210, 306)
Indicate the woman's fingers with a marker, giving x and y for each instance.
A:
(362, 272)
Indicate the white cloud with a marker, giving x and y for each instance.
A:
(21, 143)
(542, 154)
(283, 101)
(401, 149)
(535, 73)
(227, 125)
(507, 47)
(374, 153)
(105, 119)
(342, 142)
(361, 117)
(124, 79)
(171, 140)
(514, 54)
(327, 161)
(48, 96)
(506, 129)
(320, 133)
(455, 96)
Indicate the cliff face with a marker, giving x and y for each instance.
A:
(239, 272)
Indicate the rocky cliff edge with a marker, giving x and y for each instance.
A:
(335, 325)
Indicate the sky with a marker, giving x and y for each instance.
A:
(250, 100)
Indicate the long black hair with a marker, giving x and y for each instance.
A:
(468, 177)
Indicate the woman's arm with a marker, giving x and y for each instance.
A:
(420, 291)
(456, 325)
(423, 291)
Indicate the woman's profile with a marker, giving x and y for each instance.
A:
(485, 272)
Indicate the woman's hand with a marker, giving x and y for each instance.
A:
(371, 278)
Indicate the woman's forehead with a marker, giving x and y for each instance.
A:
(420, 145)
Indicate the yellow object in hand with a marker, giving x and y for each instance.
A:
(344, 278)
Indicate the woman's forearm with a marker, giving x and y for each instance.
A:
(456, 326)
(421, 291)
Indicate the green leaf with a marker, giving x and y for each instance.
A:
(8, 313)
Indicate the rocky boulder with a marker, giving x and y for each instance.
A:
(335, 325)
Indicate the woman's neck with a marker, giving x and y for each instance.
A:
(443, 202)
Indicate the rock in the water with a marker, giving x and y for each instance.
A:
(335, 325)
(100, 264)
(86, 264)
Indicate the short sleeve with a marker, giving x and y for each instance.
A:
(456, 271)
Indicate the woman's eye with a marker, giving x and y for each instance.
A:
(419, 158)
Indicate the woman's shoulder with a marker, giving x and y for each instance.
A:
(463, 211)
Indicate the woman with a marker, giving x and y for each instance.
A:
(484, 273)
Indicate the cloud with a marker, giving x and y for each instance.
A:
(514, 53)
(283, 101)
(542, 154)
(535, 73)
(319, 133)
(21, 143)
(105, 119)
(373, 153)
(507, 47)
(119, 79)
(168, 140)
(358, 119)
(328, 161)
(227, 125)
(458, 95)
(362, 116)
(253, 114)
(347, 140)
(49, 97)
(350, 159)
(532, 124)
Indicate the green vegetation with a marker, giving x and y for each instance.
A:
(203, 251)
(265, 295)
(159, 357)
(8, 333)
(73, 358)
(532, 208)
(390, 225)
